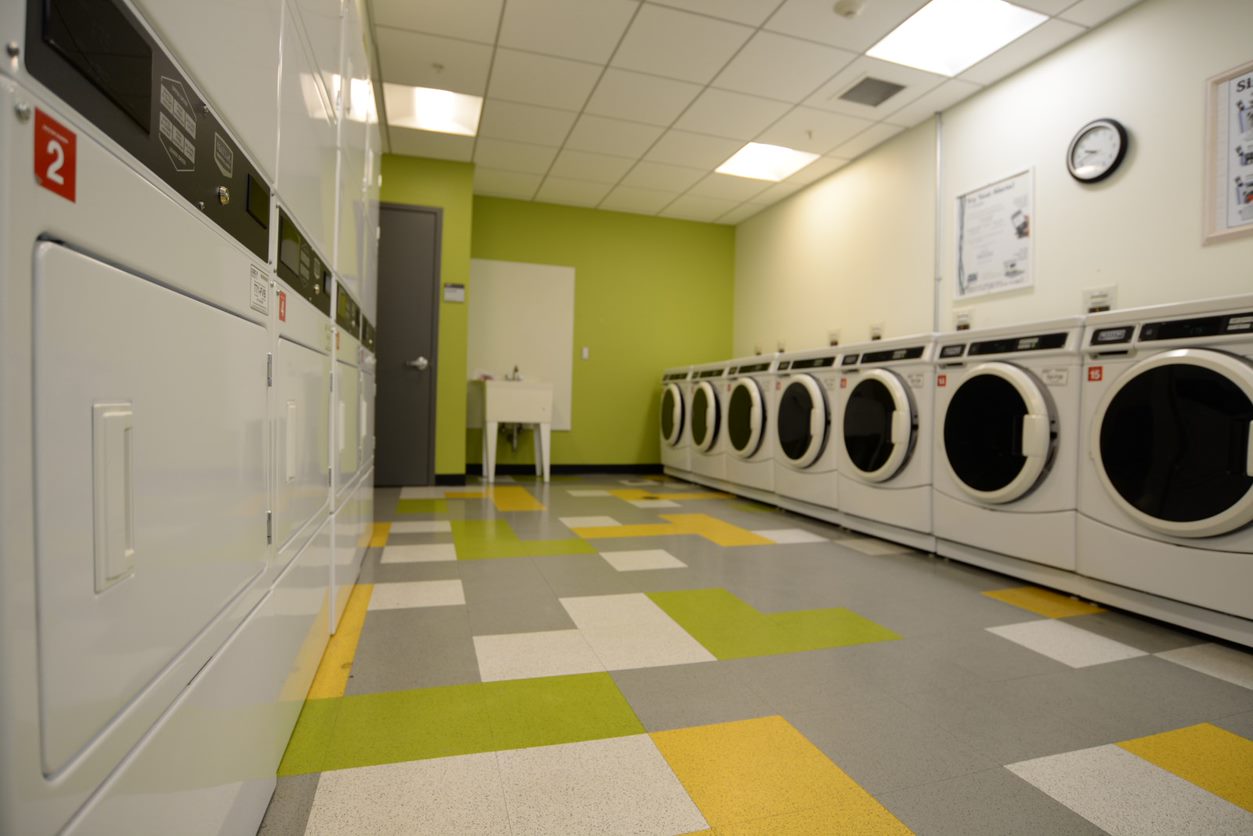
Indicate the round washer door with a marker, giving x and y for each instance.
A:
(705, 416)
(746, 417)
(672, 414)
(801, 420)
(1172, 441)
(998, 433)
(880, 425)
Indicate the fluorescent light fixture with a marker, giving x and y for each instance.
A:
(758, 161)
(426, 109)
(947, 36)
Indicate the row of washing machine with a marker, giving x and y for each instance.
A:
(1109, 456)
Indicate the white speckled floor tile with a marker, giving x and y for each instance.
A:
(642, 560)
(630, 631)
(530, 655)
(1127, 796)
(1216, 660)
(1066, 643)
(420, 553)
(640, 482)
(399, 596)
(588, 522)
(421, 527)
(874, 546)
(791, 535)
(619, 785)
(422, 493)
(654, 503)
(462, 795)
(587, 492)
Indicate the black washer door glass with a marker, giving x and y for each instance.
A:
(983, 432)
(795, 407)
(1175, 440)
(740, 418)
(667, 414)
(868, 425)
(700, 427)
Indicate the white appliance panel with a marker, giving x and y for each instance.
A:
(302, 393)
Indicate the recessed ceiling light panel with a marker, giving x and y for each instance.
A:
(948, 36)
(427, 109)
(758, 161)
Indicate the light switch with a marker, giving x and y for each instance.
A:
(586, 352)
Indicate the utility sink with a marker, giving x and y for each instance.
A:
(495, 402)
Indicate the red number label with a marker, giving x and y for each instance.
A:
(56, 156)
(941, 380)
(1096, 374)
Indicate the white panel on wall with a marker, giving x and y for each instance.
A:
(523, 315)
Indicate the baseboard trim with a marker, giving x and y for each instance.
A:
(529, 469)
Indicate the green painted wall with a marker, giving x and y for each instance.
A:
(649, 293)
(449, 185)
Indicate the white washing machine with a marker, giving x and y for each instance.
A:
(1006, 443)
(748, 395)
(347, 525)
(675, 419)
(884, 439)
(708, 423)
(806, 419)
(1166, 469)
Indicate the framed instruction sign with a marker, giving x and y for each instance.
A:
(994, 234)
(1229, 155)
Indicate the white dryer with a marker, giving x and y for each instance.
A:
(1006, 443)
(708, 423)
(806, 418)
(749, 398)
(674, 421)
(1166, 475)
(884, 456)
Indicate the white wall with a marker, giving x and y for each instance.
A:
(857, 247)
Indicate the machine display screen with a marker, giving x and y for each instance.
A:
(97, 39)
(258, 201)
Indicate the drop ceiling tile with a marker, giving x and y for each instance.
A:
(642, 201)
(514, 184)
(741, 213)
(513, 156)
(596, 168)
(662, 176)
(816, 20)
(567, 28)
(541, 79)
(612, 136)
(940, 99)
(433, 61)
(473, 20)
(641, 98)
(694, 150)
(816, 131)
(781, 67)
(525, 123)
(780, 191)
(915, 82)
(818, 169)
(1093, 12)
(752, 12)
(572, 192)
(413, 143)
(727, 187)
(731, 115)
(866, 140)
(676, 44)
(692, 207)
(1032, 46)
(1048, 7)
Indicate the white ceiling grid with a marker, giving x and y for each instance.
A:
(630, 105)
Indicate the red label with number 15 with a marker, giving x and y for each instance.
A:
(56, 156)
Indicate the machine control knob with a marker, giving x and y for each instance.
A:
(420, 364)
(224, 195)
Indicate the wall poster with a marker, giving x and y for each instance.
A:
(994, 229)
(1229, 155)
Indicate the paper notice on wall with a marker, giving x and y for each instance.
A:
(1238, 151)
(994, 234)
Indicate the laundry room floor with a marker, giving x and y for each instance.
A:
(616, 654)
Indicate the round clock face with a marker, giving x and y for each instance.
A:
(1097, 150)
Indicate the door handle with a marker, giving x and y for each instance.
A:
(420, 364)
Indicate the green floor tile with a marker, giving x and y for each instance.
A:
(422, 506)
(490, 539)
(558, 709)
(818, 629)
(306, 751)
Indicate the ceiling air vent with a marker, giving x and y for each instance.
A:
(871, 92)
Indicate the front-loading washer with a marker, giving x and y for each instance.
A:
(748, 394)
(805, 420)
(1006, 443)
(674, 421)
(1166, 475)
(884, 439)
(708, 424)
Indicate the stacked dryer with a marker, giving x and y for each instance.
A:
(675, 420)
(806, 420)
(708, 423)
(748, 397)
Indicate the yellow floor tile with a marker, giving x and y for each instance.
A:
(1214, 759)
(378, 538)
(702, 525)
(504, 497)
(744, 772)
(1043, 602)
(635, 494)
(332, 677)
(828, 819)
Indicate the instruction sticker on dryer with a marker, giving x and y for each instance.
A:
(917, 380)
(1055, 377)
(176, 125)
(260, 290)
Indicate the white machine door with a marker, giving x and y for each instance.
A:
(706, 415)
(672, 407)
(302, 390)
(999, 433)
(1172, 441)
(802, 420)
(880, 425)
(347, 425)
(746, 417)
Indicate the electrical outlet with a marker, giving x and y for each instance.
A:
(876, 331)
(963, 320)
(833, 337)
(1097, 299)
(757, 349)
(586, 352)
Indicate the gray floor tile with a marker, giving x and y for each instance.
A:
(572, 575)
(994, 802)
(288, 812)
(1241, 724)
(492, 580)
(377, 572)
(413, 648)
(1140, 633)
(799, 682)
(681, 696)
(519, 614)
(394, 539)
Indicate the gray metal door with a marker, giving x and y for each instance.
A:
(408, 335)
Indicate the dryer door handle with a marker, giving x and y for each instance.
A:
(1249, 454)
(1035, 435)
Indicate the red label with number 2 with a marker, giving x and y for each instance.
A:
(56, 156)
